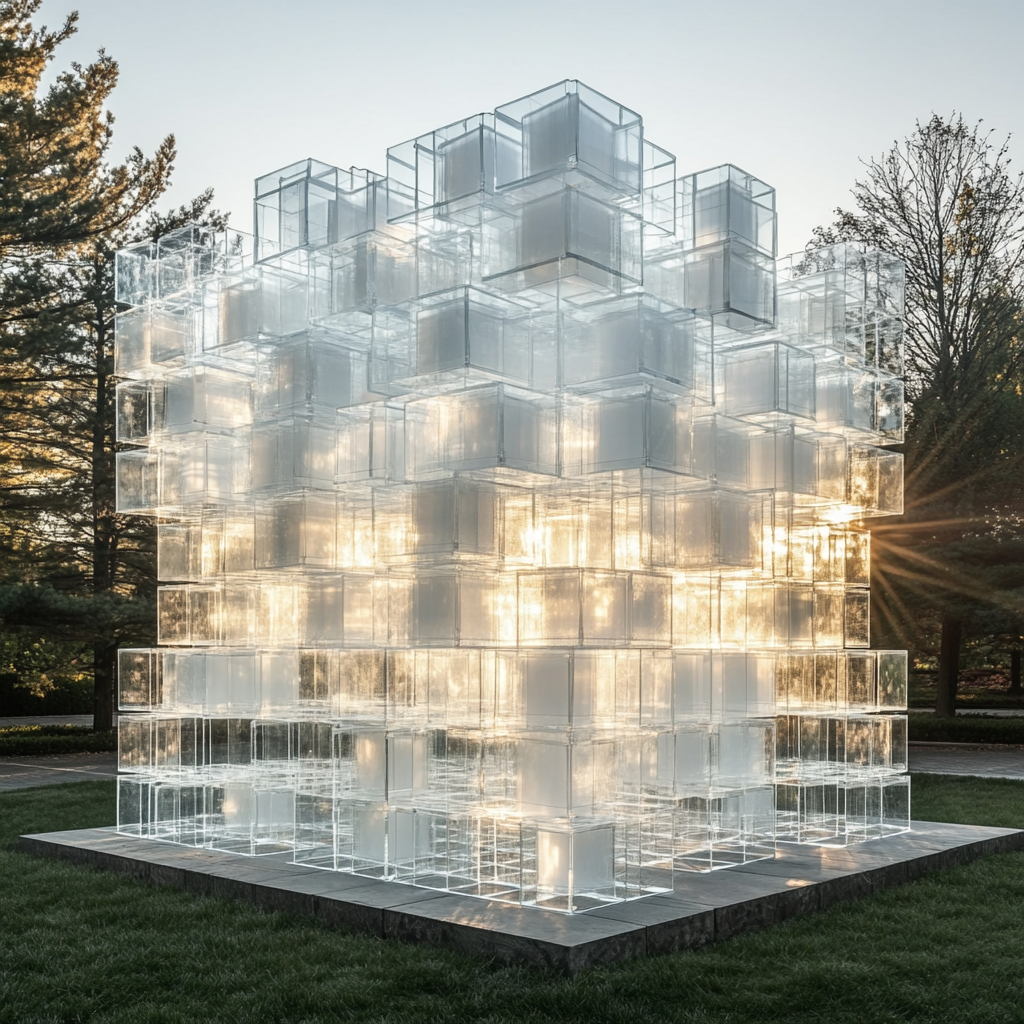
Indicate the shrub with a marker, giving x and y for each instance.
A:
(966, 729)
(35, 740)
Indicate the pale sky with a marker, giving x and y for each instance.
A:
(792, 91)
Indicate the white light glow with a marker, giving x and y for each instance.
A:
(505, 544)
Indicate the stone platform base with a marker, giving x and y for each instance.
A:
(703, 908)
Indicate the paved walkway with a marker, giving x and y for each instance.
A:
(967, 759)
(23, 772)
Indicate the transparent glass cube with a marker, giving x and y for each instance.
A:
(482, 428)
(570, 128)
(640, 427)
(511, 514)
(567, 244)
(138, 680)
(138, 481)
(624, 340)
(309, 373)
(268, 300)
(177, 262)
(149, 340)
(136, 412)
(348, 282)
(763, 380)
(371, 443)
(294, 453)
(298, 533)
(473, 331)
(726, 203)
(733, 281)
(200, 468)
(313, 204)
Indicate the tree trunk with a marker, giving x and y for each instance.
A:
(949, 668)
(103, 537)
(104, 662)
(1015, 690)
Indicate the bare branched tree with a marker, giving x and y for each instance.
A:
(946, 202)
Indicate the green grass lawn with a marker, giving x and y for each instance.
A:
(79, 945)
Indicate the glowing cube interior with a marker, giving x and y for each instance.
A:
(511, 519)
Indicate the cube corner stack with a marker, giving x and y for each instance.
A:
(511, 519)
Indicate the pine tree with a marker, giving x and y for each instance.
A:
(73, 568)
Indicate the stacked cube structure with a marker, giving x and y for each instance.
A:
(511, 519)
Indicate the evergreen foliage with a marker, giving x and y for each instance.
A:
(73, 570)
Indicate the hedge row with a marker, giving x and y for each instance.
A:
(966, 729)
(29, 740)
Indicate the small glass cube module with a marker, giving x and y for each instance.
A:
(511, 519)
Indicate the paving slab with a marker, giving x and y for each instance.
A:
(530, 935)
(49, 720)
(992, 761)
(25, 772)
(702, 908)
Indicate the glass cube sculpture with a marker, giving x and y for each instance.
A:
(511, 519)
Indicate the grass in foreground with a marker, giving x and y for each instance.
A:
(79, 945)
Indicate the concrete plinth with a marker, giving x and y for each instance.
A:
(703, 908)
